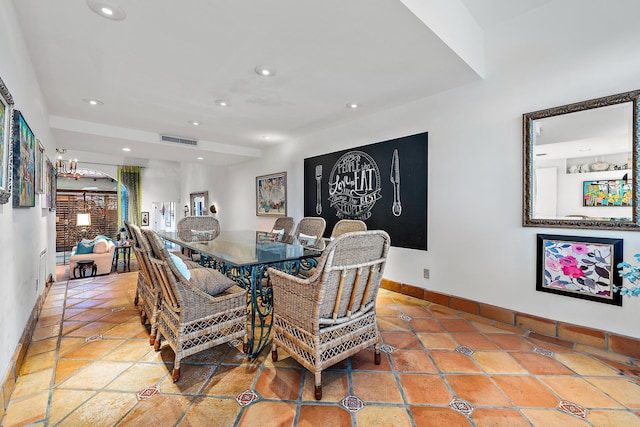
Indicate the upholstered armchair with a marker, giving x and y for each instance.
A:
(200, 308)
(331, 315)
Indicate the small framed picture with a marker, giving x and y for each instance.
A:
(40, 167)
(579, 267)
(145, 219)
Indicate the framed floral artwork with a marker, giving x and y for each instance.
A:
(579, 267)
(6, 116)
(271, 194)
(24, 163)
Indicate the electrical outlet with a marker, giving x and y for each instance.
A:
(426, 273)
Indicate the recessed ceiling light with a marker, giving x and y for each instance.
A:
(352, 105)
(94, 102)
(266, 137)
(126, 149)
(107, 9)
(193, 122)
(222, 103)
(200, 158)
(265, 71)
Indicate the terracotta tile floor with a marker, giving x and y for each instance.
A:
(90, 364)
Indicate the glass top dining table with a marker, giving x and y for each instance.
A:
(245, 256)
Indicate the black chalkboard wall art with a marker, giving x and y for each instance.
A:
(383, 184)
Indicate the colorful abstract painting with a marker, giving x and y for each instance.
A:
(24, 163)
(616, 192)
(271, 194)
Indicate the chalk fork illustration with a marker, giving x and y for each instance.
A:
(318, 190)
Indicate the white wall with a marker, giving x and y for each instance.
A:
(161, 183)
(477, 247)
(198, 177)
(25, 232)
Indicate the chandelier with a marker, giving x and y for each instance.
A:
(66, 167)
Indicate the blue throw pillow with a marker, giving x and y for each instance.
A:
(84, 248)
(181, 266)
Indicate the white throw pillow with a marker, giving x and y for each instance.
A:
(101, 246)
(306, 240)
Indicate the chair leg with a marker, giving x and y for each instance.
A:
(376, 356)
(153, 330)
(245, 345)
(143, 317)
(136, 299)
(274, 352)
(156, 344)
(175, 376)
(318, 390)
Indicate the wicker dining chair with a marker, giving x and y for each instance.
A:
(148, 292)
(195, 313)
(346, 226)
(127, 226)
(285, 224)
(311, 227)
(331, 315)
(198, 228)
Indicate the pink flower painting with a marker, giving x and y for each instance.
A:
(578, 267)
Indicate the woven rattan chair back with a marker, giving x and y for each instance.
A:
(198, 228)
(285, 223)
(148, 293)
(189, 319)
(132, 237)
(141, 248)
(159, 257)
(312, 226)
(347, 226)
(330, 315)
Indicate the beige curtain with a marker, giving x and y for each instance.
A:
(129, 176)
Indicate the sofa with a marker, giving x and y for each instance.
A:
(102, 249)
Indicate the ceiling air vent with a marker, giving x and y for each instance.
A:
(178, 140)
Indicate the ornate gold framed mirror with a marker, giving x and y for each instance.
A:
(580, 164)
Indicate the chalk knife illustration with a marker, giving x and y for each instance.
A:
(318, 190)
(396, 208)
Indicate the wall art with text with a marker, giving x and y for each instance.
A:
(383, 184)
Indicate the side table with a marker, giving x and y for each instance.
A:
(80, 270)
(125, 250)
